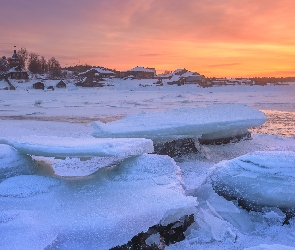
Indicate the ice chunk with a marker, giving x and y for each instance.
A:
(26, 185)
(207, 227)
(259, 179)
(212, 122)
(79, 147)
(162, 170)
(223, 209)
(86, 212)
(13, 163)
(83, 167)
(270, 247)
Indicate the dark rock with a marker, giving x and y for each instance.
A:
(170, 234)
(220, 141)
(176, 147)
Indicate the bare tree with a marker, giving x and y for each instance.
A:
(54, 68)
(23, 57)
(4, 65)
(34, 64)
(44, 65)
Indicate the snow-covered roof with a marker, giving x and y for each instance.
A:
(187, 74)
(174, 78)
(16, 69)
(103, 71)
(142, 69)
(178, 70)
(98, 70)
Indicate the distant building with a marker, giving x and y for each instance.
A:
(183, 76)
(15, 71)
(139, 73)
(61, 84)
(18, 73)
(14, 61)
(39, 85)
(94, 77)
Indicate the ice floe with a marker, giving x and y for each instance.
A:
(13, 163)
(209, 123)
(259, 179)
(53, 146)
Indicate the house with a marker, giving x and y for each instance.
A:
(89, 82)
(164, 76)
(183, 76)
(94, 77)
(18, 73)
(61, 84)
(97, 73)
(39, 85)
(139, 73)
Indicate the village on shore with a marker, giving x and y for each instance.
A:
(92, 76)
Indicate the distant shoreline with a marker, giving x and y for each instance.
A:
(71, 119)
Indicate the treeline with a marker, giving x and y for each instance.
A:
(38, 64)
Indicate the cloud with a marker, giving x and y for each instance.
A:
(224, 65)
(164, 34)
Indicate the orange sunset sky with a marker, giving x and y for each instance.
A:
(232, 38)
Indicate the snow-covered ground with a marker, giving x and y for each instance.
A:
(129, 96)
(43, 207)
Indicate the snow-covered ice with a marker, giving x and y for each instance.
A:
(212, 122)
(26, 185)
(90, 211)
(13, 163)
(270, 247)
(53, 146)
(81, 166)
(263, 178)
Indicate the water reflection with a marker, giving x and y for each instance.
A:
(278, 122)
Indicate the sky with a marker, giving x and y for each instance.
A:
(222, 38)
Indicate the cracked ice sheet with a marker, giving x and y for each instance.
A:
(87, 212)
(216, 121)
(53, 146)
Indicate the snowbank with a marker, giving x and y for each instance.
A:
(79, 147)
(212, 122)
(12, 163)
(259, 179)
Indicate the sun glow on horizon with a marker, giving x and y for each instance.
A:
(230, 38)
